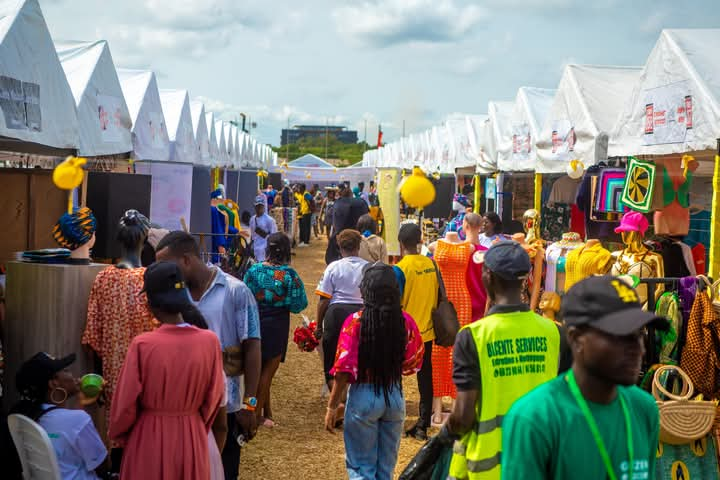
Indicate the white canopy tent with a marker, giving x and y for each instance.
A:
(478, 135)
(150, 136)
(178, 118)
(222, 158)
(35, 98)
(238, 136)
(531, 108)
(105, 125)
(212, 139)
(230, 144)
(200, 130)
(498, 133)
(584, 111)
(675, 105)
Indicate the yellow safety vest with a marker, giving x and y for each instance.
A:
(518, 351)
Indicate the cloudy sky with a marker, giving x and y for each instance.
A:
(380, 61)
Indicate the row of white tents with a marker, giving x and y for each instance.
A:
(670, 106)
(68, 97)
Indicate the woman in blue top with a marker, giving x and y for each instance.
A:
(279, 291)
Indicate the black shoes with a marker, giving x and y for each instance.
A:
(418, 433)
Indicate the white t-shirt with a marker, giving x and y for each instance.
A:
(267, 223)
(78, 446)
(341, 281)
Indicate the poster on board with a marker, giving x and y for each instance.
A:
(109, 118)
(388, 179)
(171, 198)
(668, 114)
(563, 140)
(521, 143)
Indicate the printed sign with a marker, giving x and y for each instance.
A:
(668, 114)
(563, 140)
(169, 200)
(521, 143)
(156, 129)
(20, 104)
(109, 118)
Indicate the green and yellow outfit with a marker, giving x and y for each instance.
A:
(503, 356)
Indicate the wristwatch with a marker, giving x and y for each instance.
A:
(250, 403)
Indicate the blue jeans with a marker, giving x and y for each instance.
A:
(372, 432)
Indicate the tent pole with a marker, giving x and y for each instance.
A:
(538, 192)
(715, 216)
(476, 194)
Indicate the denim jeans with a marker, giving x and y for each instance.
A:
(372, 432)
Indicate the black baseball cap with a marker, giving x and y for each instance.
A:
(34, 374)
(608, 304)
(165, 285)
(508, 260)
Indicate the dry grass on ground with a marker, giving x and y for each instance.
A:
(298, 447)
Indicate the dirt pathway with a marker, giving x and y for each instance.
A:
(298, 447)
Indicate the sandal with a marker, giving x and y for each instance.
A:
(268, 423)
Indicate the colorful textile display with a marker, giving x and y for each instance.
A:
(554, 221)
(696, 461)
(640, 180)
(610, 190)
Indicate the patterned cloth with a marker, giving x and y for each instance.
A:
(277, 286)
(554, 221)
(610, 190)
(117, 313)
(452, 260)
(699, 357)
(456, 224)
(348, 349)
(639, 184)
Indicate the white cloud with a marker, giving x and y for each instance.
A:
(392, 22)
(469, 65)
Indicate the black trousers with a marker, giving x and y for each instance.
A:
(332, 326)
(425, 386)
(231, 452)
(305, 228)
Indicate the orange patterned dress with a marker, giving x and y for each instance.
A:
(452, 260)
(117, 313)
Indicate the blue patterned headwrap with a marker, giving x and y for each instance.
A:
(74, 230)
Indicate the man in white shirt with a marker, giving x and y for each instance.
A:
(262, 226)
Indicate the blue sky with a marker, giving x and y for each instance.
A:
(377, 61)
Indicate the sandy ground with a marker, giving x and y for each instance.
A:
(298, 447)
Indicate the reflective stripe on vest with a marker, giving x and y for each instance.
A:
(517, 352)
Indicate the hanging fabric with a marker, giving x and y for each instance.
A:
(699, 356)
(610, 189)
(639, 184)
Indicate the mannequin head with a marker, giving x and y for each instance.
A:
(550, 304)
(76, 232)
(472, 225)
(133, 231)
(633, 241)
(633, 227)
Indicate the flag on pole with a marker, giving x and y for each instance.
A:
(380, 135)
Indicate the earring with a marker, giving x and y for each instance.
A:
(52, 396)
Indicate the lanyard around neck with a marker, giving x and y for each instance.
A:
(575, 390)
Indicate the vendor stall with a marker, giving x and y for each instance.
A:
(178, 118)
(201, 134)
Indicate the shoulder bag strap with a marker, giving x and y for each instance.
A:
(442, 293)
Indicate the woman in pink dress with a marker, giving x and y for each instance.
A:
(478, 296)
(170, 388)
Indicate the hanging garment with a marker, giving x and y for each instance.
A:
(585, 197)
(693, 461)
(668, 306)
(452, 260)
(673, 213)
(554, 221)
(585, 262)
(674, 259)
(478, 295)
(610, 188)
(640, 180)
(564, 190)
(577, 221)
(699, 229)
(699, 356)
(698, 254)
(552, 256)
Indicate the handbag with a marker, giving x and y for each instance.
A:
(423, 464)
(682, 420)
(444, 317)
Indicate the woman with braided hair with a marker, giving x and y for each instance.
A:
(377, 346)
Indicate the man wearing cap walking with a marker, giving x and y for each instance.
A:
(262, 226)
(614, 424)
(497, 360)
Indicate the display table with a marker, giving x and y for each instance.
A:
(46, 310)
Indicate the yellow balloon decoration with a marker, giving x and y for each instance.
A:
(69, 175)
(417, 191)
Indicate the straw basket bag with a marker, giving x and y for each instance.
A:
(681, 420)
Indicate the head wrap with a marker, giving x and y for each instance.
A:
(461, 199)
(74, 230)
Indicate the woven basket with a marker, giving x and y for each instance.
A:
(682, 420)
(715, 296)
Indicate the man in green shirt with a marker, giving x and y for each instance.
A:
(592, 422)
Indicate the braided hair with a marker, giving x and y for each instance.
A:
(383, 336)
(278, 249)
(134, 227)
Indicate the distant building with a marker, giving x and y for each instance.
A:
(300, 132)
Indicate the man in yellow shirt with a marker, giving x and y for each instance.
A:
(419, 288)
(305, 202)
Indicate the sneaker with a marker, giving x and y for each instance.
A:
(303, 245)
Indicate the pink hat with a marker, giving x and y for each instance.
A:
(633, 222)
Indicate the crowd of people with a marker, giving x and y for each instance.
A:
(190, 354)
